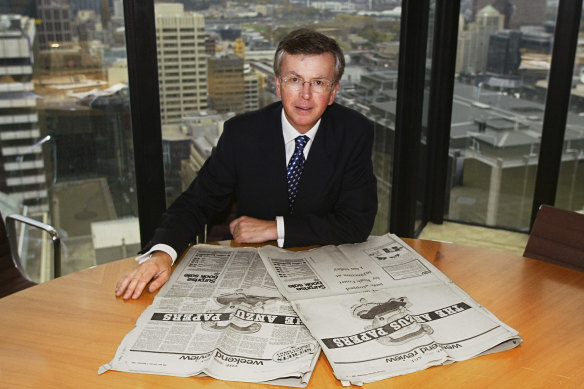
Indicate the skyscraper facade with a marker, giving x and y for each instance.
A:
(182, 62)
(226, 84)
(22, 167)
(55, 24)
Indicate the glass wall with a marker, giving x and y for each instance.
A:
(65, 131)
(503, 60)
(215, 61)
(570, 190)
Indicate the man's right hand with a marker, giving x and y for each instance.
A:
(156, 269)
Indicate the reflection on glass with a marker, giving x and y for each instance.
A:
(502, 65)
(65, 131)
(229, 64)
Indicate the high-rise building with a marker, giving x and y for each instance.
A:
(517, 13)
(504, 55)
(55, 29)
(473, 40)
(252, 88)
(182, 61)
(22, 167)
(227, 84)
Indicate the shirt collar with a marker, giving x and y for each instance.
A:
(290, 133)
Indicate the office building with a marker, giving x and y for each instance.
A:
(23, 145)
(182, 61)
(473, 40)
(92, 137)
(252, 88)
(55, 28)
(204, 129)
(517, 13)
(226, 84)
(176, 145)
(503, 60)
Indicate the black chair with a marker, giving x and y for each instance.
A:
(557, 236)
(13, 277)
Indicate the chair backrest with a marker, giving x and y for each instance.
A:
(11, 278)
(557, 236)
(218, 227)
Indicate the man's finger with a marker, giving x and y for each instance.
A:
(159, 280)
(122, 285)
(143, 280)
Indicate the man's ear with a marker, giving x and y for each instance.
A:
(333, 93)
(278, 86)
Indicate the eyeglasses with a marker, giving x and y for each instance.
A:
(296, 84)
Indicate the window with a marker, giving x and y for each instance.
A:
(502, 66)
(68, 157)
(369, 36)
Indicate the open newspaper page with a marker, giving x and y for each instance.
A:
(220, 314)
(379, 309)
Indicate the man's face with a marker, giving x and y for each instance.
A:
(303, 108)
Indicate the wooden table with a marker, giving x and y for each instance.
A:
(57, 334)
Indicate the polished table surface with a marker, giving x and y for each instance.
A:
(57, 334)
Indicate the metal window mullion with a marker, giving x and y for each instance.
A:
(408, 127)
(440, 105)
(557, 102)
(145, 113)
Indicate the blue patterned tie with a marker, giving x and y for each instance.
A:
(295, 169)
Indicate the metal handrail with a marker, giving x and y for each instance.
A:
(11, 231)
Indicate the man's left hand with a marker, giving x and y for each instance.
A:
(247, 229)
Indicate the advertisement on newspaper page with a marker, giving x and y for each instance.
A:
(220, 314)
(394, 312)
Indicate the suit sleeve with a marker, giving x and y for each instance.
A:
(350, 219)
(209, 194)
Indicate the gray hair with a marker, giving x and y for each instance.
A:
(306, 41)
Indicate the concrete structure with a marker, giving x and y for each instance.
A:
(182, 61)
(226, 84)
(204, 128)
(473, 40)
(251, 88)
(22, 166)
(55, 29)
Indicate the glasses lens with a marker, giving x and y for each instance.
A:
(319, 87)
(297, 84)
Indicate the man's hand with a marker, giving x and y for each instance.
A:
(156, 269)
(247, 229)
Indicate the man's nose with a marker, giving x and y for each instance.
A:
(306, 90)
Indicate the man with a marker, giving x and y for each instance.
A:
(326, 196)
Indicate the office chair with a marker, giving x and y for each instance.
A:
(217, 228)
(557, 236)
(13, 277)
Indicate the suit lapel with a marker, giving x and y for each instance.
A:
(318, 167)
(273, 154)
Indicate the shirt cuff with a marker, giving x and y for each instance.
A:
(157, 247)
(280, 228)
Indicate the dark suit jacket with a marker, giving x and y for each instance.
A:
(337, 195)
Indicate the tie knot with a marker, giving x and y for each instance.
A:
(301, 141)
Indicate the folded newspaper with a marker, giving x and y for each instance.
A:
(379, 309)
(221, 315)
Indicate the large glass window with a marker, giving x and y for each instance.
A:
(570, 190)
(235, 44)
(502, 65)
(65, 133)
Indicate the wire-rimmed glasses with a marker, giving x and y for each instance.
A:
(317, 85)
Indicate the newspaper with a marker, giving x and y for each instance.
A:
(220, 314)
(379, 309)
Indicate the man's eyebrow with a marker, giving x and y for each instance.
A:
(293, 73)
